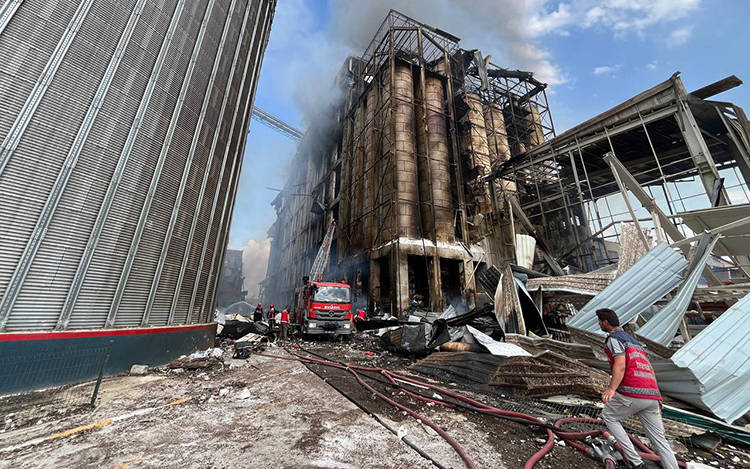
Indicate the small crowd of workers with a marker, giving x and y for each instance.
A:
(281, 318)
(274, 317)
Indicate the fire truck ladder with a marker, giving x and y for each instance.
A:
(321, 259)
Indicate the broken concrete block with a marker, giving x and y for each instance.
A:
(139, 370)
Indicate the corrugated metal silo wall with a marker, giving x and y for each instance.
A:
(123, 130)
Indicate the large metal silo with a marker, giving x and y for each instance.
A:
(122, 135)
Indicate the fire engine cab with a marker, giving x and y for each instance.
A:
(323, 308)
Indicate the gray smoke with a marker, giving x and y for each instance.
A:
(254, 264)
(512, 31)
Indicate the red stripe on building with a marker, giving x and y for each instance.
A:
(11, 336)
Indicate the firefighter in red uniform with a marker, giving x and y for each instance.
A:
(271, 317)
(632, 390)
(284, 326)
(258, 313)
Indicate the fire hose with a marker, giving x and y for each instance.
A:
(392, 379)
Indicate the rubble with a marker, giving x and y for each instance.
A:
(139, 370)
(200, 360)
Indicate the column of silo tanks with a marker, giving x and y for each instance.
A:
(534, 129)
(406, 190)
(497, 138)
(370, 187)
(386, 158)
(473, 137)
(434, 164)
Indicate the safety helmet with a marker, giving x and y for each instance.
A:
(260, 304)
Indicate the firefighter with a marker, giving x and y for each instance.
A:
(632, 390)
(258, 313)
(284, 323)
(271, 317)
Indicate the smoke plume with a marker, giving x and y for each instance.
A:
(254, 263)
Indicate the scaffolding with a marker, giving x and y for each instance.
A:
(400, 163)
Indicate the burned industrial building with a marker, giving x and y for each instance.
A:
(401, 164)
(436, 163)
(448, 187)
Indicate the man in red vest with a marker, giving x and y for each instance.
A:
(284, 323)
(632, 391)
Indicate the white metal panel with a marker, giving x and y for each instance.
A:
(650, 279)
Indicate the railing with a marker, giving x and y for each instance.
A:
(29, 384)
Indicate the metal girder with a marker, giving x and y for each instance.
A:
(649, 204)
(508, 167)
(546, 254)
(697, 147)
(737, 147)
(277, 124)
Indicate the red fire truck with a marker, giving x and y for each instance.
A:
(323, 308)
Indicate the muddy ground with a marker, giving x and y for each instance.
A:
(277, 413)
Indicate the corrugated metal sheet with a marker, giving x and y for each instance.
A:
(589, 284)
(719, 357)
(652, 277)
(662, 327)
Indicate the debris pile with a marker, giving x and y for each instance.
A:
(200, 360)
(549, 374)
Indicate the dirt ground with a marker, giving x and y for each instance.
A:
(272, 413)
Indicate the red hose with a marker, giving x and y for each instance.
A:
(645, 453)
(467, 460)
(568, 437)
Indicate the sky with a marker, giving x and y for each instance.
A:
(593, 55)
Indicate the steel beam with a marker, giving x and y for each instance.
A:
(546, 254)
(649, 204)
(535, 159)
(697, 147)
